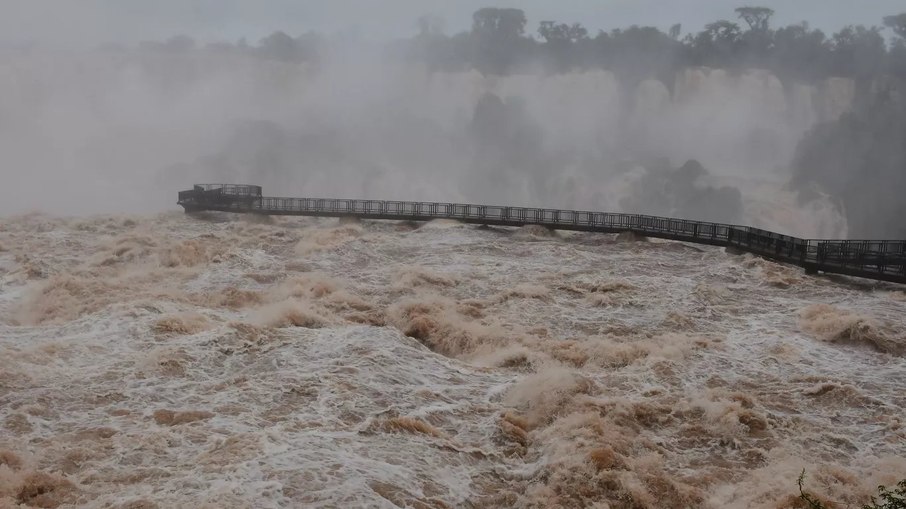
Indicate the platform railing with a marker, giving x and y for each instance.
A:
(876, 259)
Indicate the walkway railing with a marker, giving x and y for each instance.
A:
(874, 259)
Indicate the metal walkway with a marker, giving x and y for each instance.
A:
(883, 260)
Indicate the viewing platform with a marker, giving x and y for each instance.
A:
(883, 260)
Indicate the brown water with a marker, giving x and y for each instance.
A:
(216, 361)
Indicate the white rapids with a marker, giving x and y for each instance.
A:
(220, 361)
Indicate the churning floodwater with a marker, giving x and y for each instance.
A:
(223, 361)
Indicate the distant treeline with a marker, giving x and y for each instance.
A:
(500, 43)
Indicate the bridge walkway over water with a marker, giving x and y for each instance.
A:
(883, 260)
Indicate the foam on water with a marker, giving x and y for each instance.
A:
(214, 361)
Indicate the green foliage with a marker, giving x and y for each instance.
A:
(758, 18)
(801, 53)
(717, 45)
(499, 23)
(812, 502)
(278, 46)
(890, 498)
(498, 44)
(554, 32)
(858, 51)
(897, 23)
(561, 41)
(497, 41)
(887, 498)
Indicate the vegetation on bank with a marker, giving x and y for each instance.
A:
(888, 498)
(500, 42)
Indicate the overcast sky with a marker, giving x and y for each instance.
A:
(89, 22)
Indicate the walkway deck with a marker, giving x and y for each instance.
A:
(883, 260)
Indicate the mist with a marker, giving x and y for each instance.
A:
(122, 128)
(155, 358)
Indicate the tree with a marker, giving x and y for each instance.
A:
(716, 45)
(755, 45)
(636, 54)
(278, 46)
(552, 32)
(800, 53)
(498, 42)
(639, 53)
(891, 498)
(897, 23)
(675, 31)
(560, 44)
(858, 52)
(758, 18)
(723, 31)
(500, 24)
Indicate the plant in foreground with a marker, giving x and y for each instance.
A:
(894, 498)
